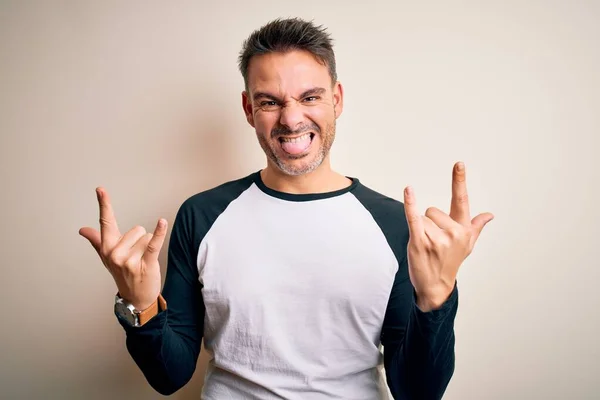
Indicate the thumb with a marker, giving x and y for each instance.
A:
(93, 236)
(479, 222)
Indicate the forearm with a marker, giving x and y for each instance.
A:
(419, 363)
(166, 355)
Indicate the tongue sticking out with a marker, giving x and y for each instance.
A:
(297, 146)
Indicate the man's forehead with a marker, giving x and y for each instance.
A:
(288, 73)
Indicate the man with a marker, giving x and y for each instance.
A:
(293, 275)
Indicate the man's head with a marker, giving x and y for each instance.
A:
(292, 97)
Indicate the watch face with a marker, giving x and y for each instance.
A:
(125, 313)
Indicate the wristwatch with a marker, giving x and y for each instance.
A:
(135, 317)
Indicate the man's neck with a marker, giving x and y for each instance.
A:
(321, 180)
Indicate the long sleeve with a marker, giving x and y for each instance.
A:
(418, 347)
(166, 348)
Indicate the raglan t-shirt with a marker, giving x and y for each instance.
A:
(294, 295)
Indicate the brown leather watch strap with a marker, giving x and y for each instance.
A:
(159, 305)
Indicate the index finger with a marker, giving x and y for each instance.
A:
(109, 230)
(459, 206)
(415, 223)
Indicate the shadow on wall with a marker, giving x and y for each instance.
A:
(202, 151)
(209, 149)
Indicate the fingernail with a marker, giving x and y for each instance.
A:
(161, 223)
(460, 166)
(408, 190)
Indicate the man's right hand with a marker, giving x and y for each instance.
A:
(132, 258)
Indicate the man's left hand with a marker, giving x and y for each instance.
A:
(439, 243)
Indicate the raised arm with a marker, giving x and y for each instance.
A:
(166, 345)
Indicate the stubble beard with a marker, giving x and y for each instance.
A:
(289, 165)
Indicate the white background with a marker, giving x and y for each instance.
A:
(143, 98)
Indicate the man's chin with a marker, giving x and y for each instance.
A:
(298, 167)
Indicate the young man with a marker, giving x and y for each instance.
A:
(294, 275)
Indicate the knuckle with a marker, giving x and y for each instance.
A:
(104, 252)
(152, 247)
(413, 217)
(139, 229)
(131, 263)
(455, 233)
(116, 259)
(113, 261)
(462, 198)
(431, 212)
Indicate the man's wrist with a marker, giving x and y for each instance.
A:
(142, 306)
(160, 304)
(136, 317)
(433, 300)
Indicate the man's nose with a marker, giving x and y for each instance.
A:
(291, 116)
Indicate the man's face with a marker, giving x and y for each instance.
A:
(293, 106)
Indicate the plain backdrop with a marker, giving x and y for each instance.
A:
(143, 98)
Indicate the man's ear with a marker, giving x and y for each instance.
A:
(247, 106)
(338, 99)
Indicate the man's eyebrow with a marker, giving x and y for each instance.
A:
(259, 95)
(306, 93)
(313, 91)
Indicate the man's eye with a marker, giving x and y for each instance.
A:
(269, 105)
(311, 98)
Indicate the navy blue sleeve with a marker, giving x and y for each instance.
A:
(166, 348)
(418, 347)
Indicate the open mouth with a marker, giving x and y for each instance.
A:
(296, 145)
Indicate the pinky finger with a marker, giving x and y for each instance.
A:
(156, 243)
(413, 218)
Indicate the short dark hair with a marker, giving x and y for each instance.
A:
(283, 35)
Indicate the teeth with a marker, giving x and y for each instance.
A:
(298, 139)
